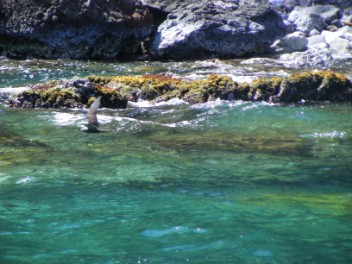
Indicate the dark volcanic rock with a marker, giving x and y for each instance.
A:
(214, 29)
(97, 29)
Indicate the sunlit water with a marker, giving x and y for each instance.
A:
(220, 182)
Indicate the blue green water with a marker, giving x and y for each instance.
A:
(221, 182)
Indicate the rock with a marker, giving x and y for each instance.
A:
(306, 20)
(95, 29)
(311, 85)
(315, 86)
(337, 23)
(317, 42)
(291, 43)
(290, 27)
(341, 47)
(347, 15)
(330, 49)
(314, 32)
(213, 29)
(289, 5)
(331, 28)
(328, 13)
(339, 3)
(67, 94)
(307, 59)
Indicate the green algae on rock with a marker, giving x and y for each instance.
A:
(117, 90)
(311, 85)
(146, 87)
(67, 94)
(316, 86)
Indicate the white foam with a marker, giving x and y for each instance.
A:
(210, 104)
(147, 104)
(66, 119)
(25, 180)
(13, 90)
(333, 134)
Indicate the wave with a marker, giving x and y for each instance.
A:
(332, 135)
(147, 104)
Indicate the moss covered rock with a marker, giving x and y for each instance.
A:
(117, 90)
(71, 94)
(315, 86)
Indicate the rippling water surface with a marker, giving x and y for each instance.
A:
(220, 182)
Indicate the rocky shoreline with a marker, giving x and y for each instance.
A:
(116, 91)
(296, 33)
(299, 33)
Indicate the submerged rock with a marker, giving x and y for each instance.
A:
(222, 141)
(117, 90)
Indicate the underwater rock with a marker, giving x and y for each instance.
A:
(223, 141)
(117, 90)
(17, 150)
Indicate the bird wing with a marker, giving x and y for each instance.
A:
(92, 113)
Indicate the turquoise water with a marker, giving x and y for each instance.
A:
(221, 182)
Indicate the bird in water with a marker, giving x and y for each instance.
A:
(93, 125)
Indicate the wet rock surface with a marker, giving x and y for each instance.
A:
(67, 94)
(117, 90)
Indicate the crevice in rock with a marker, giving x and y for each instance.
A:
(159, 16)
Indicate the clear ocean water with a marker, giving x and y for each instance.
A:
(220, 182)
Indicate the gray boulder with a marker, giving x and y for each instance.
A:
(291, 43)
(96, 29)
(216, 29)
(289, 5)
(306, 20)
(328, 13)
(330, 49)
(340, 43)
(347, 15)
